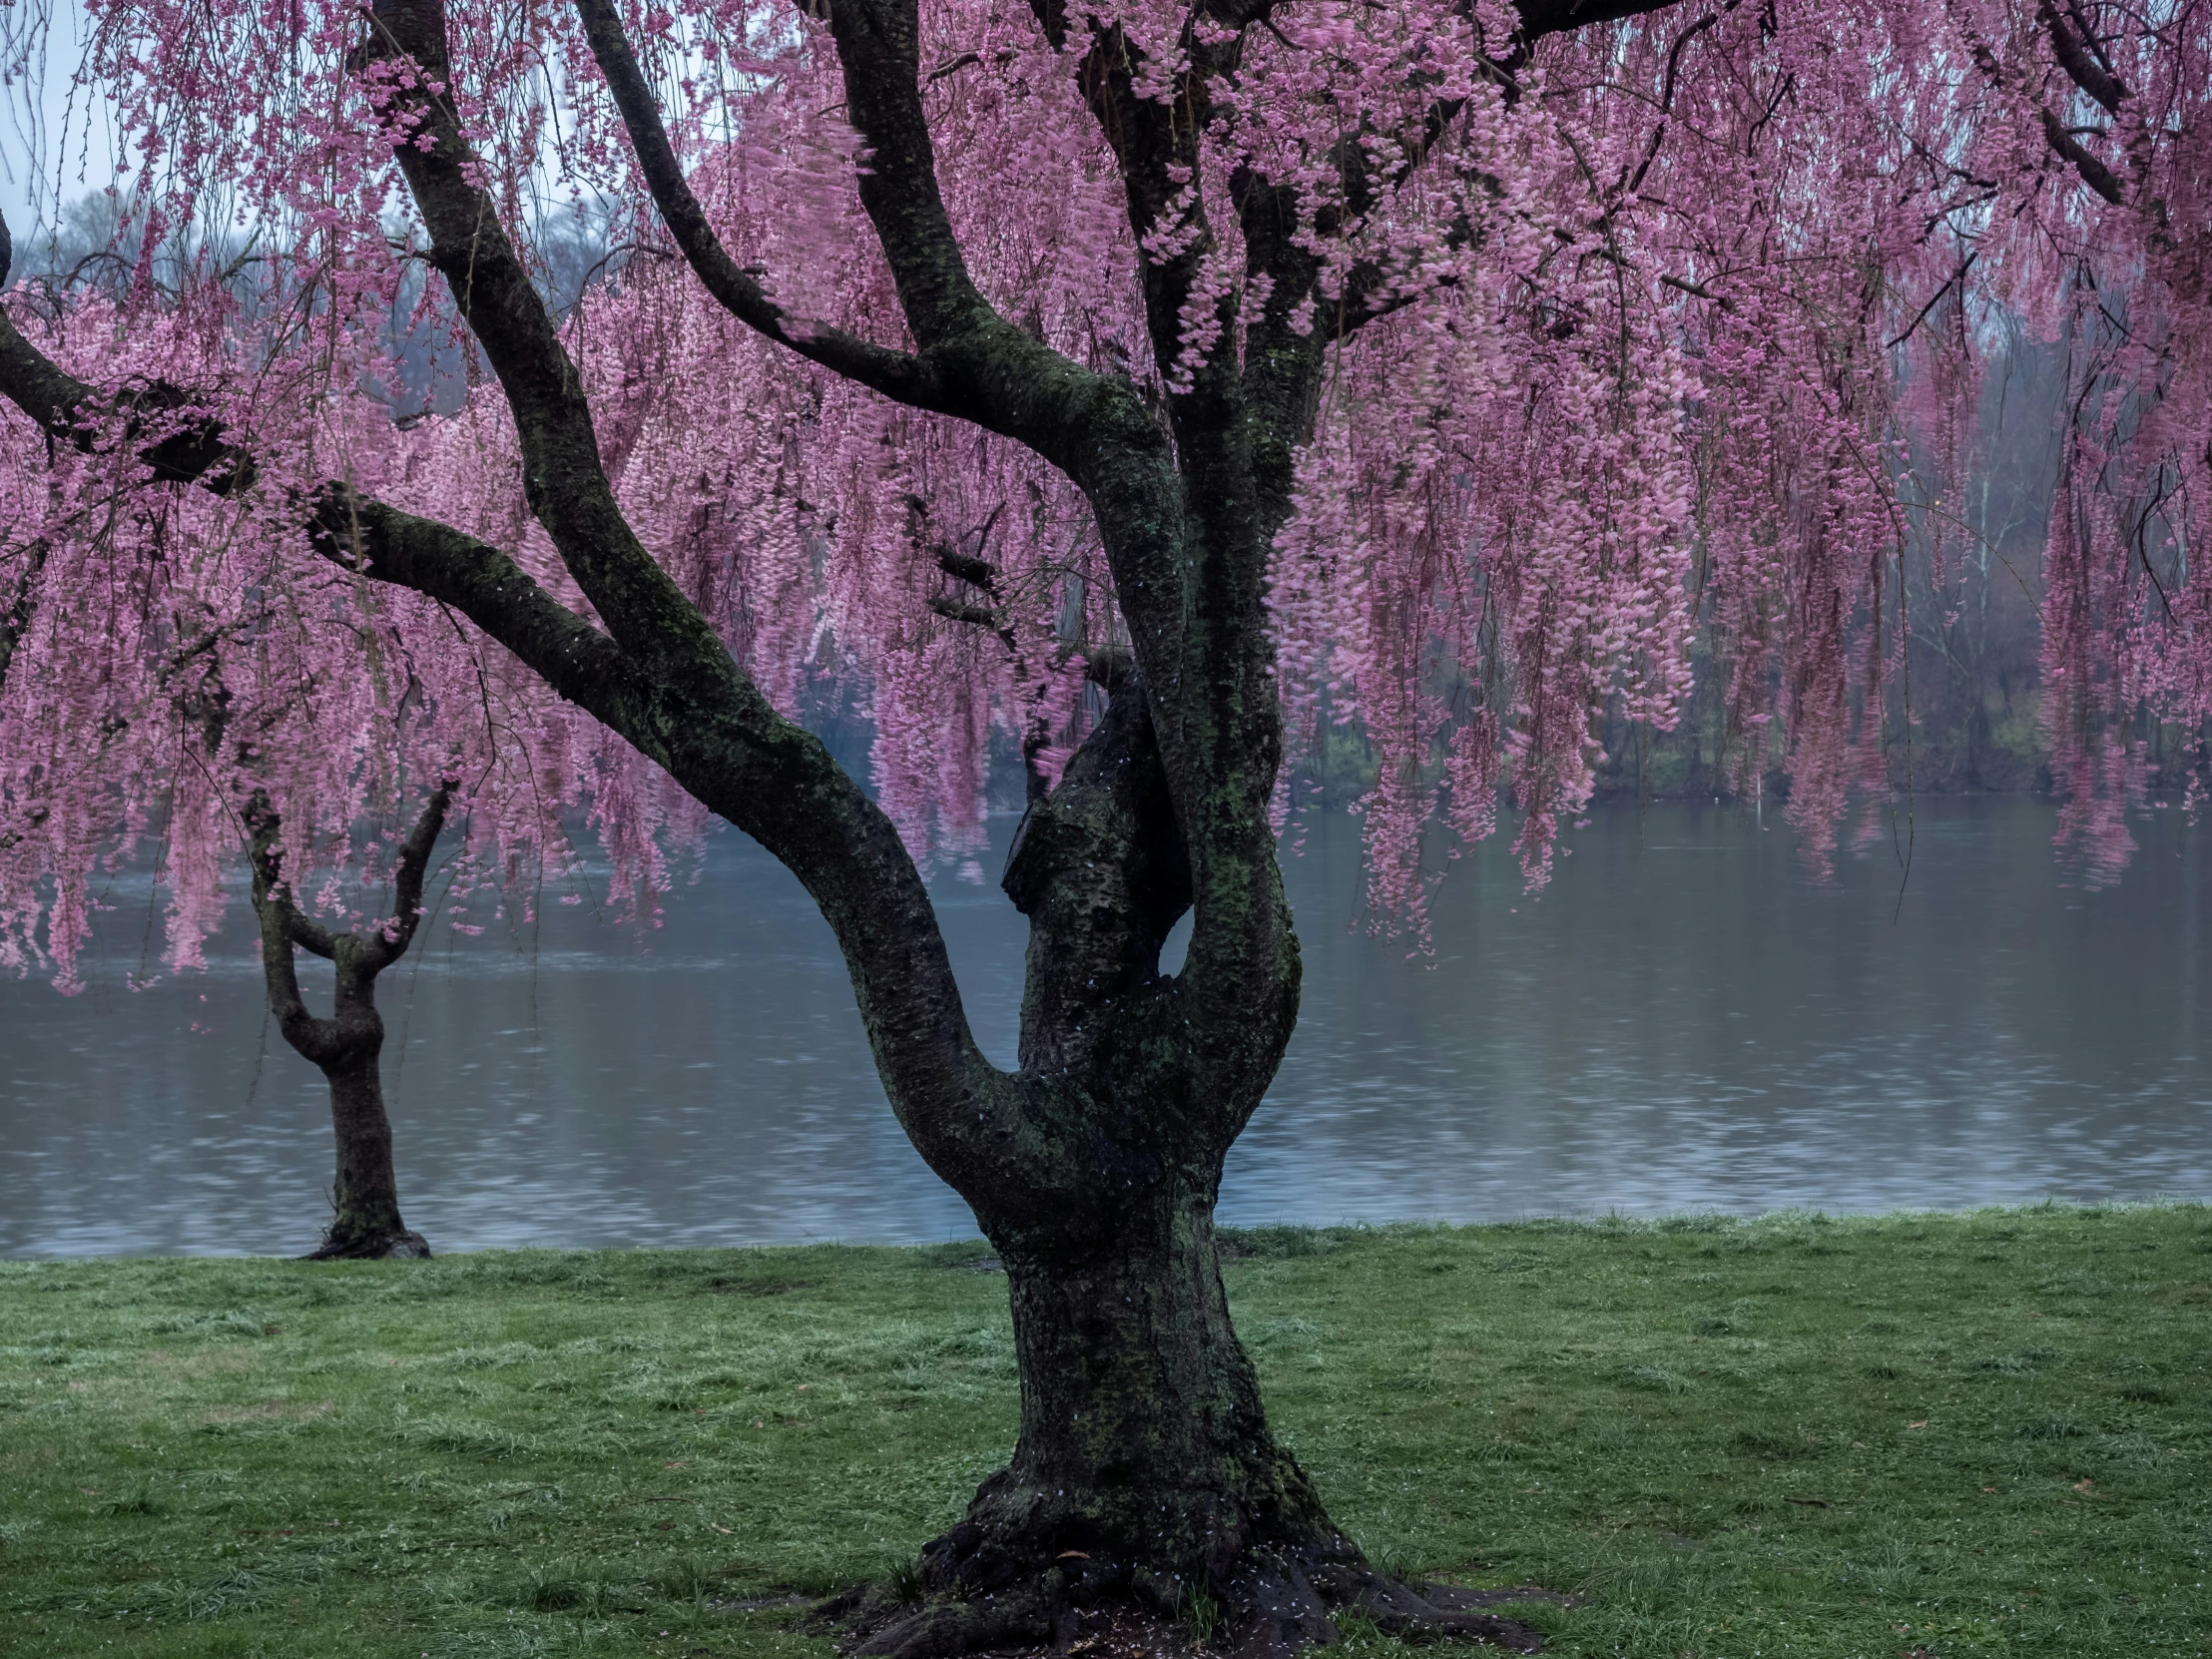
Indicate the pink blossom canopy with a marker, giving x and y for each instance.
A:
(1654, 350)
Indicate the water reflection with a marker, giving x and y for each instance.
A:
(1683, 1020)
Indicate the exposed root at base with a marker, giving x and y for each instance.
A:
(402, 1246)
(1279, 1608)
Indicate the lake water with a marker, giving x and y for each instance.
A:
(1683, 1020)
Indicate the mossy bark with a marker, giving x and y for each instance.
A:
(1145, 1471)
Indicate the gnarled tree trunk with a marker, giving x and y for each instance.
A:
(1145, 1474)
(364, 1194)
(1145, 1469)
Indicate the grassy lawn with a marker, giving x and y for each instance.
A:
(1988, 1433)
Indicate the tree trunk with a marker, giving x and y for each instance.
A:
(1146, 1475)
(1144, 1467)
(365, 1198)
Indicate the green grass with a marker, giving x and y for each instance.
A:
(1948, 1435)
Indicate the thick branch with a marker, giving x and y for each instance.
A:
(896, 374)
(189, 449)
(1198, 539)
(776, 781)
(1181, 531)
(1094, 427)
(696, 712)
(2063, 144)
(974, 614)
(579, 661)
(563, 479)
(699, 717)
(2072, 52)
(1099, 867)
(576, 658)
(980, 573)
(878, 46)
(1156, 146)
(2095, 172)
(1557, 17)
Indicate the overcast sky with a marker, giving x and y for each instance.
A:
(46, 144)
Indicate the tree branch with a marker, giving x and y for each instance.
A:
(17, 622)
(1361, 190)
(2063, 144)
(2091, 76)
(705, 723)
(563, 479)
(1156, 146)
(1557, 17)
(974, 614)
(963, 567)
(1093, 428)
(686, 702)
(1696, 291)
(896, 374)
(186, 449)
(576, 658)
(2095, 172)
(878, 46)
(579, 661)
(386, 945)
(1666, 99)
(282, 927)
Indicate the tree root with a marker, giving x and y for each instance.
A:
(1271, 1605)
(1434, 1612)
(401, 1245)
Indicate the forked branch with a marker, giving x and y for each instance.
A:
(896, 374)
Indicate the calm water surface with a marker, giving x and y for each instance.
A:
(1684, 1020)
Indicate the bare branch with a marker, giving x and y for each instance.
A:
(1666, 96)
(386, 945)
(1697, 290)
(1920, 315)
